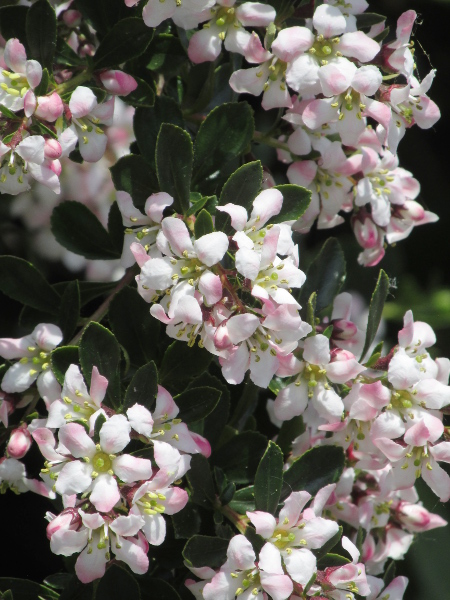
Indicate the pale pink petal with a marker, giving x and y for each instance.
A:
(240, 553)
(358, 45)
(291, 42)
(165, 405)
(336, 77)
(441, 451)
(74, 478)
(237, 40)
(155, 205)
(98, 388)
(302, 172)
(33, 71)
(391, 449)
(176, 500)
(248, 263)
(291, 401)
(92, 145)
(210, 286)
(340, 371)
(300, 564)
(255, 51)
(367, 80)
(91, 566)
(278, 586)
(329, 21)
(293, 507)
(47, 336)
(140, 419)
(317, 350)
(210, 248)
(241, 327)
(235, 365)
(266, 205)
(50, 108)
(31, 149)
(130, 468)
(299, 142)
(67, 542)
(319, 112)
(47, 443)
(264, 523)
(15, 56)
(177, 235)
(237, 213)
(205, 45)
(82, 102)
(155, 12)
(73, 436)
(154, 529)
(133, 555)
(249, 81)
(438, 480)
(255, 14)
(105, 493)
(115, 434)
(11, 348)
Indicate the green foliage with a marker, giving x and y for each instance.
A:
(131, 174)
(23, 589)
(197, 403)
(201, 482)
(205, 551)
(69, 310)
(174, 158)
(269, 479)
(239, 457)
(41, 33)
(61, 359)
(180, 364)
(78, 229)
(143, 388)
(376, 310)
(203, 224)
(127, 39)
(117, 583)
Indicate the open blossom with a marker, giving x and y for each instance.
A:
(79, 465)
(227, 25)
(187, 14)
(23, 75)
(34, 353)
(241, 575)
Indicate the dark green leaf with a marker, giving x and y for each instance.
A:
(214, 423)
(117, 583)
(181, 364)
(143, 96)
(156, 589)
(315, 469)
(224, 135)
(199, 88)
(360, 537)
(198, 201)
(203, 224)
(134, 327)
(246, 406)
(147, 123)
(99, 348)
(13, 23)
(269, 479)
(366, 20)
(376, 310)
(115, 227)
(201, 482)
(243, 500)
(104, 14)
(58, 581)
(8, 595)
(131, 174)
(127, 39)
(23, 589)
(61, 359)
(288, 432)
(241, 188)
(240, 456)
(8, 113)
(376, 354)
(98, 425)
(69, 310)
(41, 33)
(332, 560)
(174, 158)
(142, 388)
(21, 281)
(187, 522)
(311, 310)
(389, 573)
(65, 55)
(256, 540)
(226, 495)
(205, 551)
(296, 200)
(89, 290)
(78, 229)
(197, 403)
(325, 275)
(167, 54)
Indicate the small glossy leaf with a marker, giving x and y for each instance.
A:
(366, 20)
(78, 229)
(332, 560)
(325, 275)
(224, 135)
(98, 425)
(13, 23)
(256, 540)
(239, 457)
(243, 500)
(104, 14)
(128, 39)
(288, 432)
(187, 522)
(329, 544)
(147, 123)
(215, 422)
(201, 482)
(61, 359)
(99, 348)
(134, 327)
(181, 364)
(131, 174)
(376, 310)
(143, 388)
(241, 188)
(58, 581)
(196, 403)
(8, 113)
(269, 479)
(205, 551)
(313, 470)
(21, 281)
(117, 583)
(296, 200)
(115, 227)
(65, 55)
(41, 90)
(41, 33)
(22, 589)
(143, 96)
(174, 157)
(203, 224)
(70, 310)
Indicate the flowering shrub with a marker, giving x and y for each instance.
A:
(129, 150)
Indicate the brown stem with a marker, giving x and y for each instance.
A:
(230, 289)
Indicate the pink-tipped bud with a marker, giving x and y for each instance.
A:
(68, 519)
(366, 233)
(19, 442)
(343, 330)
(416, 518)
(118, 82)
(221, 338)
(50, 107)
(56, 167)
(72, 18)
(338, 354)
(52, 149)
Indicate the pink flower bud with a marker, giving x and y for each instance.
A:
(50, 107)
(67, 519)
(366, 233)
(56, 167)
(343, 330)
(221, 338)
(72, 18)
(52, 149)
(417, 518)
(338, 354)
(118, 82)
(19, 442)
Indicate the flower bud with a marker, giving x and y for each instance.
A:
(50, 107)
(118, 82)
(72, 18)
(19, 442)
(52, 149)
(366, 233)
(67, 519)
